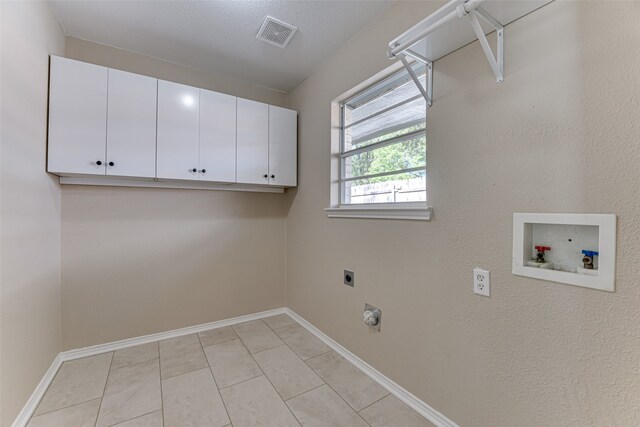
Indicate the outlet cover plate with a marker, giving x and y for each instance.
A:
(481, 282)
(349, 278)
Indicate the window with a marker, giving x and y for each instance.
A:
(383, 152)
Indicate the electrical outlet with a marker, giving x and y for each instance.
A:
(481, 282)
(349, 278)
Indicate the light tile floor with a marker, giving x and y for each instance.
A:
(269, 372)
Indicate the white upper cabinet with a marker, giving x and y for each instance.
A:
(131, 125)
(118, 124)
(267, 144)
(178, 131)
(217, 137)
(77, 117)
(283, 130)
(253, 142)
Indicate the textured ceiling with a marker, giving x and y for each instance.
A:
(219, 36)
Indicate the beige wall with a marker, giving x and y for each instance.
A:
(108, 56)
(30, 205)
(138, 261)
(559, 135)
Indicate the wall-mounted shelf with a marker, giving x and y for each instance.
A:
(456, 24)
(550, 247)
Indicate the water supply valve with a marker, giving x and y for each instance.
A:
(588, 258)
(539, 261)
(541, 250)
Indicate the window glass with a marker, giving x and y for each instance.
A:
(383, 142)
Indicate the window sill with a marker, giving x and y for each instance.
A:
(390, 212)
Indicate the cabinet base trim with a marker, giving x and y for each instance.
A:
(188, 185)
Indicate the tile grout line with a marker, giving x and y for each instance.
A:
(224, 405)
(242, 382)
(134, 418)
(347, 403)
(305, 392)
(47, 391)
(285, 326)
(304, 331)
(134, 364)
(187, 372)
(181, 373)
(272, 348)
(371, 404)
(73, 404)
(64, 407)
(279, 395)
(314, 371)
(321, 354)
(254, 361)
(111, 368)
(305, 362)
(106, 381)
(338, 394)
(267, 377)
(220, 342)
(161, 392)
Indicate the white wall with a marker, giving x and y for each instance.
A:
(559, 135)
(108, 56)
(29, 205)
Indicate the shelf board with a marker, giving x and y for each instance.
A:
(459, 33)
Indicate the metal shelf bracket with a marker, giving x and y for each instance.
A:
(427, 92)
(495, 61)
(402, 46)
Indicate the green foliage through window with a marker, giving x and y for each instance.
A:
(402, 155)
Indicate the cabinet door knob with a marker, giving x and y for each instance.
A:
(273, 176)
(203, 171)
(111, 164)
(194, 170)
(99, 163)
(266, 176)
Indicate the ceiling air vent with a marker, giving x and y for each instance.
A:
(276, 32)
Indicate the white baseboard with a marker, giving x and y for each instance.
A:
(119, 345)
(412, 401)
(30, 407)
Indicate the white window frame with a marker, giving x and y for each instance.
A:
(338, 209)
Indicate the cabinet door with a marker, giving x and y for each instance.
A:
(131, 125)
(217, 137)
(77, 117)
(253, 142)
(283, 138)
(178, 107)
